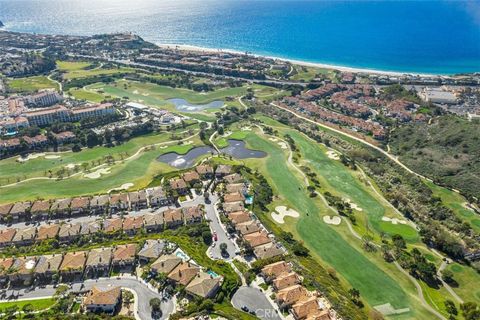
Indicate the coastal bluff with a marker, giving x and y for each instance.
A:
(1, 24)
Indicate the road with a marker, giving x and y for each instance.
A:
(142, 292)
(254, 300)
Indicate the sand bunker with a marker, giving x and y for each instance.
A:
(52, 156)
(282, 212)
(273, 139)
(283, 145)
(335, 220)
(135, 91)
(97, 174)
(70, 166)
(353, 205)
(394, 220)
(178, 162)
(124, 186)
(30, 157)
(246, 129)
(333, 155)
(188, 142)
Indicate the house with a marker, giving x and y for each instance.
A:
(233, 206)
(274, 270)
(239, 217)
(40, 210)
(19, 210)
(72, 266)
(256, 239)
(205, 171)
(123, 256)
(5, 267)
(5, 210)
(232, 178)
(69, 231)
(191, 178)
(236, 187)
(118, 202)
(165, 264)
(6, 237)
(286, 280)
(98, 262)
(173, 217)
(222, 170)
(204, 285)
(268, 250)
(309, 309)
(233, 197)
(138, 200)
(152, 249)
(90, 227)
(132, 224)
(157, 197)
(247, 227)
(179, 185)
(153, 222)
(47, 231)
(183, 273)
(112, 225)
(47, 266)
(61, 207)
(79, 205)
(102, 299)
(24, 236)
(192, 214)
(99, 204)
(21, 271)
(291, 295)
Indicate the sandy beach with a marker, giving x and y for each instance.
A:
(297, 62)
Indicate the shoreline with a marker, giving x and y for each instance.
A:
(187, 47)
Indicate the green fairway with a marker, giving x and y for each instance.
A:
(72, 65)
(222, 142)
(37, 304)
(82, 94)
(466, 278)
(31, 84)
(84, 69)
(457, 203)
(322, 239)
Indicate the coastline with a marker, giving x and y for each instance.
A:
(187, 47)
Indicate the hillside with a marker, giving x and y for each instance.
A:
(447, 150)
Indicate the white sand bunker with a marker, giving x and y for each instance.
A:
(70, 166)
(333, 155)
(135, 91)
(394, 220)
(246, 129)
(30, 157)
(353, 205)
(97, 174)
(188, 142)
(52, 156)
(282, 212)
(283, 145)
(124, 186)
(273, 139)
(335, 220)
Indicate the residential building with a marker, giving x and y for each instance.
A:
(173, 217)
(5, 267)
(232, 178)
(274, 270)
(40, 210)
(191, 178)
(309, 309)
(90, 227)
(61, 207)
(123, 256)
(98, 262)
(80, 205)
(24, 236)
(21, 271)
(99, 204)
(47, 231)
(233, 206)
(5, 210)
(222, 170)
(258, 238)
(233, 197)
(6, 236)
(247, 227)
(205, 171)
(118, 202)
(47, 266)
(157, 197)
(183, 273)
(236, 187)
(179, 185)
(69, 231)
(165, 264)
(291, 295)
(73, 265)
(102, 299)
(192, 214)
(239, 217)
(286, 280)
(19, 210)
(132, 224)
(138, 200)
(112, 225)
(151, 250)
(153, 222)
(203, 285)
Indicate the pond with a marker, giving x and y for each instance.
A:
(185, 106)
(236, 149)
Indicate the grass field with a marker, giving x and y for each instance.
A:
(222, 142)
(466, 278)
(31, 84)
(37, 304)
(80, 69)
(72, 65)
(457, 203)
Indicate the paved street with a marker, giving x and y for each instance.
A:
(142, 291)
(256, 301)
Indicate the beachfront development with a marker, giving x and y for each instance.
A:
(147, 182)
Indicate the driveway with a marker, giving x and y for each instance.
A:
(254, 300)
(143, 294)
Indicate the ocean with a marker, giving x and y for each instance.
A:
(437, 37)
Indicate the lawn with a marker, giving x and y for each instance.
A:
(466, 278)
(456, 202)
(37, 304)
(72, 65)
(82, 94)
(31, 84)
(222, 142)
(83, 69)
(321, 238)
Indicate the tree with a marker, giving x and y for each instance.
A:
(223, 247)
(28, 308)
(207, 237)
(451, 308)
(155, 304)
(447, 276)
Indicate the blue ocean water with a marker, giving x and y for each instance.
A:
(410, 36)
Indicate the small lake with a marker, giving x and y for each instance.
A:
(236, 149)
(185, 106)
